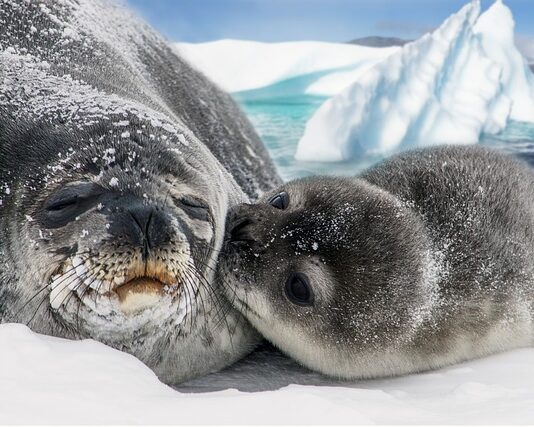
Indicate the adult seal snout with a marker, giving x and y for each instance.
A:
(118, 163)
(422, 261)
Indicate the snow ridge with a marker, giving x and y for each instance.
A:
(49, 380)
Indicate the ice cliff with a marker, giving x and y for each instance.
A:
(241, 65)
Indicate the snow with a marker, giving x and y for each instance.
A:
(465, 79)
(240, 65)
(49, 380)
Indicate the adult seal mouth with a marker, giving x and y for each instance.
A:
(132, 290)
(118, 164)
(139, 293)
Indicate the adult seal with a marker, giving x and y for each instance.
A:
(118, 163)
(420, 262)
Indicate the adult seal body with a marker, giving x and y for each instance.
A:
(118, 163)
(420, 262)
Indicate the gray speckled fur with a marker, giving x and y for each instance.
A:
(77, 78)
(424, 260)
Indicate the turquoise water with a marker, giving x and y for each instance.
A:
(280, 112)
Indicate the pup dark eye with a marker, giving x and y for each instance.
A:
(298, 290)
(69, 202)
(280, 201)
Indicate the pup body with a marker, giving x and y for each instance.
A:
(422, 261)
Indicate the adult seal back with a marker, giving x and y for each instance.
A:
(420, 262)
(118, 163)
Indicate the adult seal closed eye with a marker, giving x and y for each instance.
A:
(424, 260)
(118, 163)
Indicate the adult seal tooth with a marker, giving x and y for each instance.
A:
(420, 262)
(118, 164)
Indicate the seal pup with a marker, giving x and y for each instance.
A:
(422, 261)
(118, 163)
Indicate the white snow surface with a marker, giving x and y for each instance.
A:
(465, 79)
(49, 380)
(240, 65)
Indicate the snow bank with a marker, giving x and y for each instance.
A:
(238, 65)
(48, 380)
(464, 79)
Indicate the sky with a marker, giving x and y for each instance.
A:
(325, 20)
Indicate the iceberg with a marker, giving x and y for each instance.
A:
(465, 79)
(241, 65)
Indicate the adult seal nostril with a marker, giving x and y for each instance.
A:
(140, 225)
(149, 228)
(142, 217)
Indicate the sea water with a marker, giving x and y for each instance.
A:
(280, 118)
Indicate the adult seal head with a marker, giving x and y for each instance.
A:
(118, 163)
(425, 260)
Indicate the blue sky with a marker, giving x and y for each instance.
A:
(328, 20)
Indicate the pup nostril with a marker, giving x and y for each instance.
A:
(241, 231)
